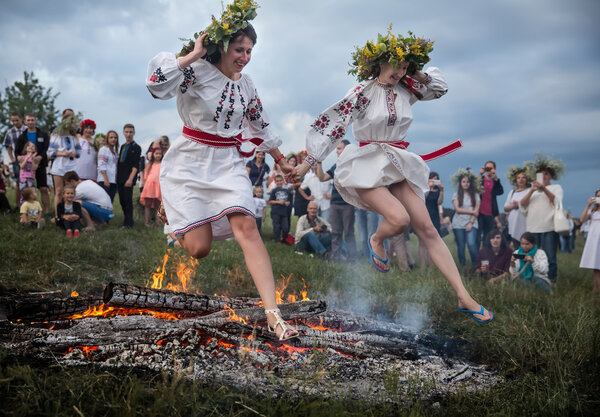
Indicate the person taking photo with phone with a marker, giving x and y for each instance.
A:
(530, 265)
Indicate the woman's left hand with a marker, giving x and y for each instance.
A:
(301, 170)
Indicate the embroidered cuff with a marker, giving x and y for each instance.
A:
(310, 159)
(427, 79)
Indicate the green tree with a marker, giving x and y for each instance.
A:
(29, 96)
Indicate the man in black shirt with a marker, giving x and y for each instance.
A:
(127, 168)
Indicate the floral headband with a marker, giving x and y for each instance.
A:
(234, 18)
(555, 167)
(514, 170)
(393, 49)
(87, 122)
(476, 181)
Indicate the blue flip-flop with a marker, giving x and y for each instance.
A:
(374, 256)
(473, 312)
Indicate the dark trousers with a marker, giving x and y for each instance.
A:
(111, 190)
(342, 229)
(68, 225)
(126, 199)
(486, 224)
(259, 224)
(281, 226)
(549, 242)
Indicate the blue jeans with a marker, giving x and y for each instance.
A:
(549, 242)
(463, 237)
(367, 222)
(318, 243)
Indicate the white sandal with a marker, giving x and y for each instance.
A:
(284, 326)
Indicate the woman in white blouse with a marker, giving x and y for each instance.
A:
(206, 192)
(381, 175)
(108, 158)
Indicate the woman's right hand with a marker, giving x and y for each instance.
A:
(301, 170)
(199, 48)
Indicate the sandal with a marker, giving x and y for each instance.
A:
(480, 312)
(374, 257)
(284, 326)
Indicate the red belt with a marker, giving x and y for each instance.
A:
(428, 156)
(219, 141)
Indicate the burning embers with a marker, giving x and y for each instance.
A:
(212, 337)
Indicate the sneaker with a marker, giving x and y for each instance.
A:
(69, 233)
(76, 233)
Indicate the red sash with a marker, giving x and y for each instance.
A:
(428, 156)
(220, 142)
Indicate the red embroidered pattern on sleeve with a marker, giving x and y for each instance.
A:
(158, 76)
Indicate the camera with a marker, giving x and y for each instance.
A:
(437, 182)
(597, 200)
(324, 227)
(519, 255)
(487, 169)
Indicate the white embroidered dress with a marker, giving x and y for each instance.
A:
(378, 113)
(201, 184)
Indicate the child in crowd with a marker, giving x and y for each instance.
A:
(69, 212)
(530, 264)
(279, 200)
(151, 196)
(31, 209)
(28, 163)
(260, 206)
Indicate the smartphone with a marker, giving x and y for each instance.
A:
(437, 182)
(597, 200)
(539, 177)
(519, 255)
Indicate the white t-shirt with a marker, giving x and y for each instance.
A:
(88, 190)
(259, 205)
(540, 211)
(516, 220)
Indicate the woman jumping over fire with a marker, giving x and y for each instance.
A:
(380, 175)
(205, 187)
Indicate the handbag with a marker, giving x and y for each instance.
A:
(561, 223)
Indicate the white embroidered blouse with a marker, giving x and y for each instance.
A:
(209, 101)
(379, 113)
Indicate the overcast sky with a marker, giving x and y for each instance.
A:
(522, 75)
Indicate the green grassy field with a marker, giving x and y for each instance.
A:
(546, 347)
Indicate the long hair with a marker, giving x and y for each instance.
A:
(247, 31)
(114, 149)
(493, 233)
(461, 192)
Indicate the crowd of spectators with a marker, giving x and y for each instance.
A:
(86, 171)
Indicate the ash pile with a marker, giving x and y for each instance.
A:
(225, 341)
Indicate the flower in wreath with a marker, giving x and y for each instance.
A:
(515, 170)
(99, 141)
(555, 167)
(68, 126)
(87, 122)
(235, 17)
(393, 49)
(475, 180)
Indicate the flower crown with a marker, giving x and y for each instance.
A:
(234, 18)
(67, 126)
(556, 167)
(87, 122)
(393, 49)
(515, 170)
(475, 180)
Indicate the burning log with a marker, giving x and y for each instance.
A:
(132, 296)
(38, 309)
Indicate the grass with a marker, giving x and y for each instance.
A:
(546, 347)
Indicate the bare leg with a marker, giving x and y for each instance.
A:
(89, 223)
(45, 199)
(597, 280)
(439, 252)
(58, 190)
(395, 217)
(197, 242)
(423, 254)
(147, 215)
(257, 261)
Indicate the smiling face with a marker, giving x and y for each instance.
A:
(68, 194)
(157, 155)
(390, 75)
(236, 58)
(30, 147)
(88, 131)
(112, 139)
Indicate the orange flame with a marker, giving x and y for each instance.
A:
(85, 349)
(233, 316)
(74, 294)
(321, 327)
(105, 311)
(184, 270)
